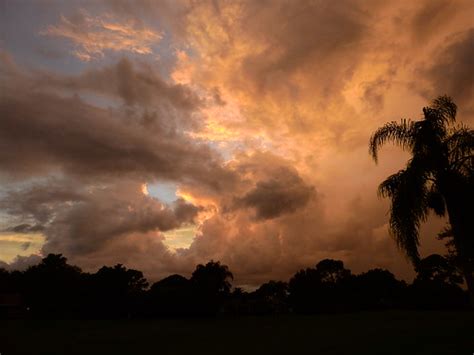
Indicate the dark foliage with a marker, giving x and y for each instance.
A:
(436, 284)
(439, 177)
(55, 289)
(378, 289)
(171, 296)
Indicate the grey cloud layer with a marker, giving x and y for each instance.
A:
(42, 132)
(139, 85)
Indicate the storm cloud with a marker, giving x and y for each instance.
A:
(44, 132)
(282, 194)
(452, 70)
(258, 113)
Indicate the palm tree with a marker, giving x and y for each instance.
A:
(438, 177)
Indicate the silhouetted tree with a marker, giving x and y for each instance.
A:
(213, 277)
(271, 297)
(437, 284)
(334, 289)
(8, 283)
(171, 296)
(239, 303)
(376, 289)
(452, 256)
(437, 268)
(303, 288)
(211, 283)
(439, 176)
(116, 290)
(322, 289)
(53, 287)
(332, 271)
(11, 296)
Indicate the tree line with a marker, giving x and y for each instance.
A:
(53, 288)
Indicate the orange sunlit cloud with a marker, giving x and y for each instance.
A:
(92, 35)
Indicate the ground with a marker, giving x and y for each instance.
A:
(357, 333)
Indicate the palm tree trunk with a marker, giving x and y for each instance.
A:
(459, 206)
(465, 264)
(470, 286)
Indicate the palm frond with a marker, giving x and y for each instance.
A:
(446, 109)
(399, 133)
(389, 187)
(408, 192)
(440, 115)
(436, 201)
(439, 175)
(460, 145)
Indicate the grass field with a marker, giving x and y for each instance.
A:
(359, 333)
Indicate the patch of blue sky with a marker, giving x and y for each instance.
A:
(20, 25)
(163, 191)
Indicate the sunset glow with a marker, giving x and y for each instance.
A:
(163, 134)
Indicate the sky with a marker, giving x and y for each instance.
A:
(163, 134)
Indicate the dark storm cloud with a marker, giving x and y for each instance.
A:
(284, 193)
(135, 85)
(431, 16)
(185, 211)
(37, 203)
(26, 228)
(303, 34)
(109, 214)
(374, 91)
(83, 222)
(452, 71)
(43, 132)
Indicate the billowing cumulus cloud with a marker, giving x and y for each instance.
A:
(25, 228)
(259, 113)
(53, 133)
(284, 192)
(95, 218)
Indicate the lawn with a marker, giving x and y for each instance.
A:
(358, 333)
